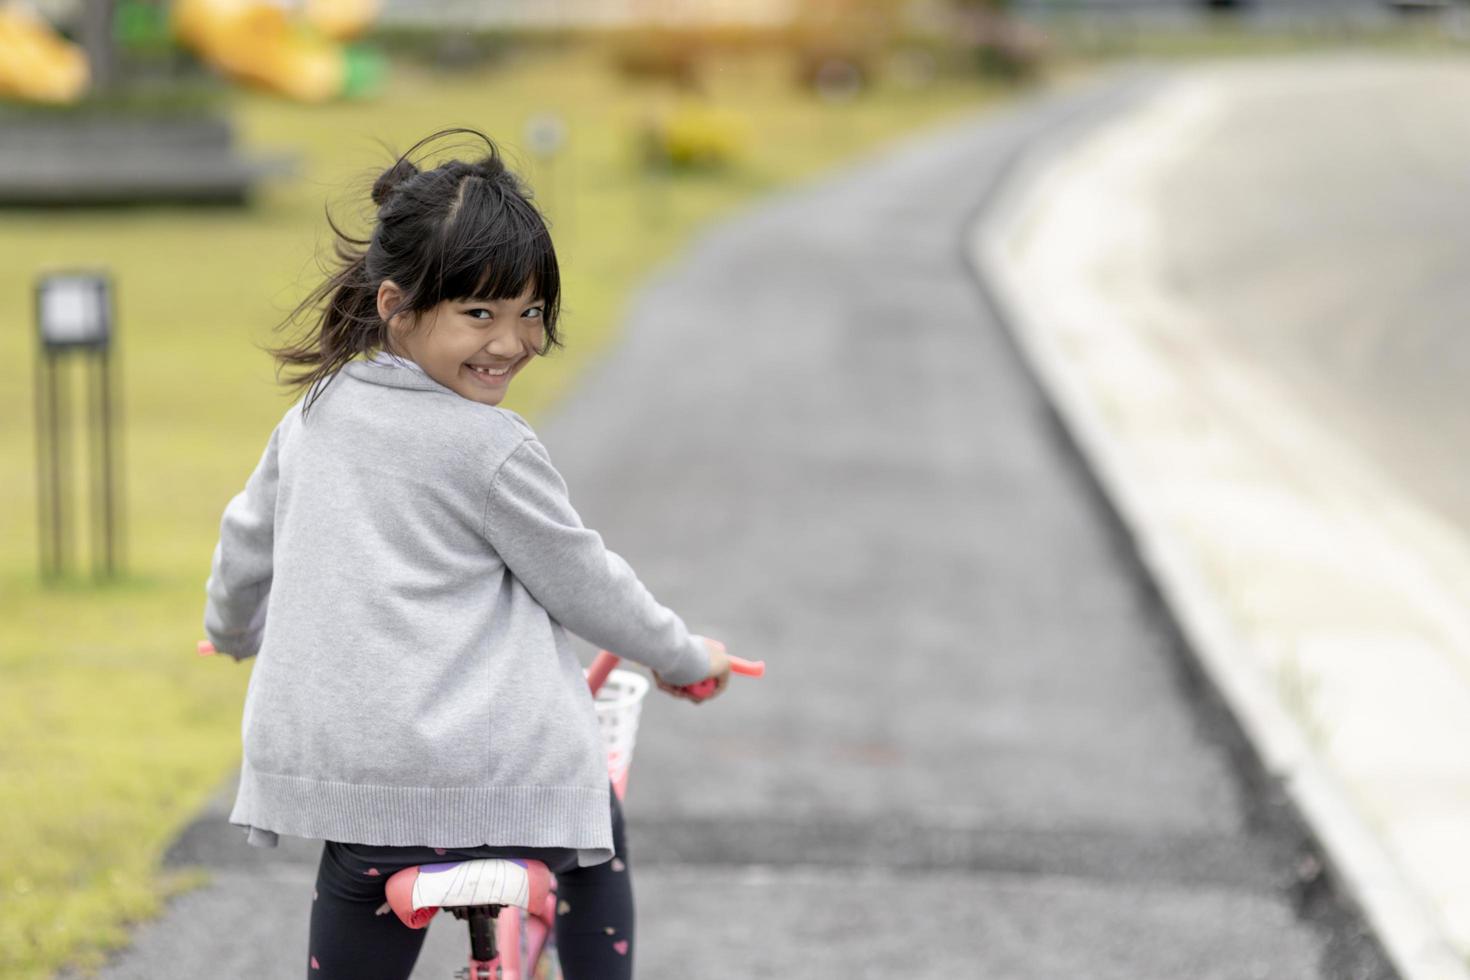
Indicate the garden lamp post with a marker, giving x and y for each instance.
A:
(546, 134)
(74, 316)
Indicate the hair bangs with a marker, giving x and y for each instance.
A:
(500, 248)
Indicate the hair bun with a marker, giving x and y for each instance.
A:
(491, 167)
(390, 179)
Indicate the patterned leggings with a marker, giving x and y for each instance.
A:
(355, 936)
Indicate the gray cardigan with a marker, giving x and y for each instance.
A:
(406, 564)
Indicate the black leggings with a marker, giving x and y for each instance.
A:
(355, 936)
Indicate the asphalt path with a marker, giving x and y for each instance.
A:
(979, 750)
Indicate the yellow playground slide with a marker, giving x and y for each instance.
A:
(261, 43)
(36, 63)
(300, 54)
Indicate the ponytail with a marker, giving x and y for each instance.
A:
(348, 325)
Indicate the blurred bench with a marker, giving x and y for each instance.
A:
(92, 160)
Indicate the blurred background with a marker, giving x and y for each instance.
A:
(182, 152)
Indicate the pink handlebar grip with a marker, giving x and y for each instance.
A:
(750, 668)
(603, 665)
(700, 690)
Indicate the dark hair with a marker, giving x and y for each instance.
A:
(460, 230)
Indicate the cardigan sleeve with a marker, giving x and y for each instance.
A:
(587, 588)
(238, 590)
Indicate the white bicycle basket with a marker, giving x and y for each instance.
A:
(618, 704)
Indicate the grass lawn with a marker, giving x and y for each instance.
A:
(112, 732)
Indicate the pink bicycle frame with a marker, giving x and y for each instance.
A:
(508, 937)
(539, 924)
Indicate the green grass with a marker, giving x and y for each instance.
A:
(112, 733)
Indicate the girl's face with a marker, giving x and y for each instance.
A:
(473, 347)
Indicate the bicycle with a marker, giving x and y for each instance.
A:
(509, 904)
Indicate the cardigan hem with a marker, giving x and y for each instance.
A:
(425, 816)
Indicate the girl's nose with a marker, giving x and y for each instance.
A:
(512, 344)
(506, 346)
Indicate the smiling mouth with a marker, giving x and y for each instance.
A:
(492, 376)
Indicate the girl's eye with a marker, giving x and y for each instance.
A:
(534, 311)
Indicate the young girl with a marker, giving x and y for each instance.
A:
(406, 565)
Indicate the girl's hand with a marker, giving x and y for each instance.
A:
(711, 686)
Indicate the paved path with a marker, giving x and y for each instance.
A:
(977, 739)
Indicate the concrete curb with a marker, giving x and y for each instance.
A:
(1400, 918)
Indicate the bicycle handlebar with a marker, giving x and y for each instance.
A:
(699, 690)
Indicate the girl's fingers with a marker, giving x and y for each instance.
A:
(668, 688)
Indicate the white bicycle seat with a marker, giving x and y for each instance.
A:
(416, 894)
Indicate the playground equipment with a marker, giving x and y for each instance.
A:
(105, 151)
(297, 50)
(260, 43)
(36, 63)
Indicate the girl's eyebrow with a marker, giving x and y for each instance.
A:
(487, 299)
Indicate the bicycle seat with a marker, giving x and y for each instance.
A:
(416, 894)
